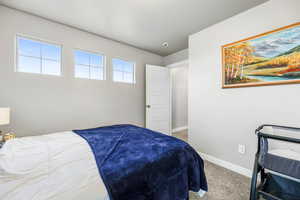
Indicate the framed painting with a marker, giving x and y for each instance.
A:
(270, 58)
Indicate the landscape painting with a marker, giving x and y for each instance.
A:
(267, 59)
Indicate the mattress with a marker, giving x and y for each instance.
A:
(58, 166)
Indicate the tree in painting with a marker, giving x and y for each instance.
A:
(236, 58)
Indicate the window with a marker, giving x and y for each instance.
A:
(38, 57)
(89, 65)
(123, 71)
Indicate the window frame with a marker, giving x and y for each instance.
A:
(89, 66)
(38, 40)
(134, 70)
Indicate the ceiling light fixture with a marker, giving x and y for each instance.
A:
(165, 45)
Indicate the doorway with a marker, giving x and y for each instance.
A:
(179, 79)
(167, 99)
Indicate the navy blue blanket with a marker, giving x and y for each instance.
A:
(139, 164)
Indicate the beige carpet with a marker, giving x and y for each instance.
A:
(223, 184)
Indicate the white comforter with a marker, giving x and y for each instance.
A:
(58, 166)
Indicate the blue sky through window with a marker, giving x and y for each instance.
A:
(51, 52)
(38, 57)
(89, 65)
(123, 71)
(35, 56)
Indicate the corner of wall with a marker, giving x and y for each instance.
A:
(176, 57)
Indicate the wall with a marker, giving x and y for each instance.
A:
(220, 119)
(43, 104)
(176, 57)
(179, 75)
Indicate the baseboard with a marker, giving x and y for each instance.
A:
(179, 129)
(233, 167)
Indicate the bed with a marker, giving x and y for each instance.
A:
(92, 164)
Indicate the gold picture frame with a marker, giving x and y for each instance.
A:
(271, 58)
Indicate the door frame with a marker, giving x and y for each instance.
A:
(170, 99)
(177, 65)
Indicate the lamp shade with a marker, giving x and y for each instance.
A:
(4, 116)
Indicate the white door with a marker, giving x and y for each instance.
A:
(158, 99)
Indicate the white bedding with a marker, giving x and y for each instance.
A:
(58, 166)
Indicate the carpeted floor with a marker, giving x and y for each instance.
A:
(223, 184)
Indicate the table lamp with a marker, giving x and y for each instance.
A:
(4, 117)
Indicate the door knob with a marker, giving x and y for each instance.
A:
(148, 106)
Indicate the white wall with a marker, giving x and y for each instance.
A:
(176, 57)
(220, 119)
(44, 104)
(179, 75)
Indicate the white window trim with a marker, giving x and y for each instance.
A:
(16, 54)
(134, 70)
(91, 52)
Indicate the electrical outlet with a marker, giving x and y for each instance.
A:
(242, 149)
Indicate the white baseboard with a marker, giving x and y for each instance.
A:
(179, 129)
(233, 167)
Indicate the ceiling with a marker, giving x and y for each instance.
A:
(145, 24)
